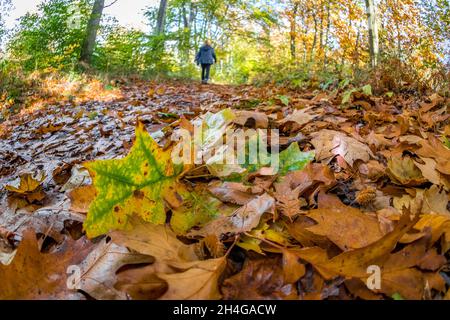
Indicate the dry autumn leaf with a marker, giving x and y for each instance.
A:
(252, 118)
(347, 227)
(330, 143)
(41, 276)
(260, 279)
(28, 186)
(354, 263)
(81, 198)
(98, 270)
(403, 171)
(244, 219)
(196, 279)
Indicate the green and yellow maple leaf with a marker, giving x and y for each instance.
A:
(135, 185)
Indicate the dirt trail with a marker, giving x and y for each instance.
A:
(55, 139)
(373, 156)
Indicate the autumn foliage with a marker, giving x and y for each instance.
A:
(361, 183)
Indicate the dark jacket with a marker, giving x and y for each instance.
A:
(206, 55)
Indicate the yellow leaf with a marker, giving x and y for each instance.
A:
(135, 185)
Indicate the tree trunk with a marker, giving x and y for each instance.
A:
(311, 58)
(293, 33)
(321, 26)
(91, 32)
(327, 34)
(161, 19)
(185, 18)
(373, 32)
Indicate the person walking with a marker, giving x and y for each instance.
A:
(206, 57)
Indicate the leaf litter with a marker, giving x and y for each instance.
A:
(91, 185)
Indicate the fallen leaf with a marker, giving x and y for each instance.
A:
(354, 263)
(312, 176)
(347, 227)
(41, 276)
(409, 283)
(432, 200)
(261, 279)
(141, 282)
(244, 219)
(98, 270)
(196, 279)
(81, 198)
(135, 185)
(233, 192)
(252, 118)
(198, 208)
(300, 118)
(292, 159)
(293, 269)
(197, 283)
(329, 143)
(28, 186)
(403, 171)
(157, 241)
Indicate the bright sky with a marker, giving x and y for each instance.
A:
(128, 12)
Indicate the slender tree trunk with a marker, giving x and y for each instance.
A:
(314, 39)
(161, 19)
(356, 50)
(91, 32)
(293, 33)
(373, 32)
(185, 18)
(327, 34)
(188, 19)
(321, 26)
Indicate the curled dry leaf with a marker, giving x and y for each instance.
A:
(347, 227)
(252, 118)
(428, 169)
(81, 198)
(41, 276)
(439, 226)
(197, 283)
(403, 171)
(261, 279)
(98, 270)
(28, 186)
(434, 148)
(244, 219)
(141, 282)
(233, 192)
(290, 203)
(195, 279)
(211, 246)
(312, 176)
(330, 143)
(426, 201)
(300, 118)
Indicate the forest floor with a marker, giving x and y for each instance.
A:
(373, 194)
